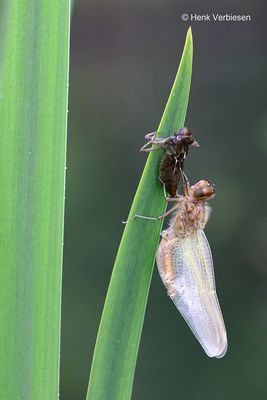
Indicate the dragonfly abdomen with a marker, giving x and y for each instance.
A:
(169, 173)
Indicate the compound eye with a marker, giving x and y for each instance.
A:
(184, 133)
(203, 190)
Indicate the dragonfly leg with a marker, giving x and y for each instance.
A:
(140, 216)
(153, 218)
(153, 140)
(186, 184)
(184, 176)
(167, 198)
(173, 199)
(170, 211)
(164, 187)
(148, 149)
(151, 136)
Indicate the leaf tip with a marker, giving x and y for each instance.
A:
(189, 35)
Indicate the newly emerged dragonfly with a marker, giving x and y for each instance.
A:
(175, 151)
(185, 266)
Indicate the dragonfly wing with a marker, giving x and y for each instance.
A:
(186, 269)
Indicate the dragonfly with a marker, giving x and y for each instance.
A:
(185, 265)
(175, 151)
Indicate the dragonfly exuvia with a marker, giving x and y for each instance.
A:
(175, 149)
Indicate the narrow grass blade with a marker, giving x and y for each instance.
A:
(122, 319)
(33, 110)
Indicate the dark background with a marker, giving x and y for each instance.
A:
(124, 56)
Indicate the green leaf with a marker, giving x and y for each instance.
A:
(33, 115)
(122, 319)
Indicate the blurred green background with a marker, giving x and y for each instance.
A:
(124, 57)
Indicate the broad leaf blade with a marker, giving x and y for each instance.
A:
(33, 110)
(122, 319)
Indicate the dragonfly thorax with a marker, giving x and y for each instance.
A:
(191, 215)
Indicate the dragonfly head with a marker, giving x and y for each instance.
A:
(203, 190)
(184, 134)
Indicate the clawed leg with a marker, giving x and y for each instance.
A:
(184, 177)
(167, 198)
(154, 218)
(148, 149)
(142, 217)
(153, 140)
(186, 184)
(164, 188)
(151, 136)
(174, 199)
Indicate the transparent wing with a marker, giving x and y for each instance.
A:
(186, 269)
